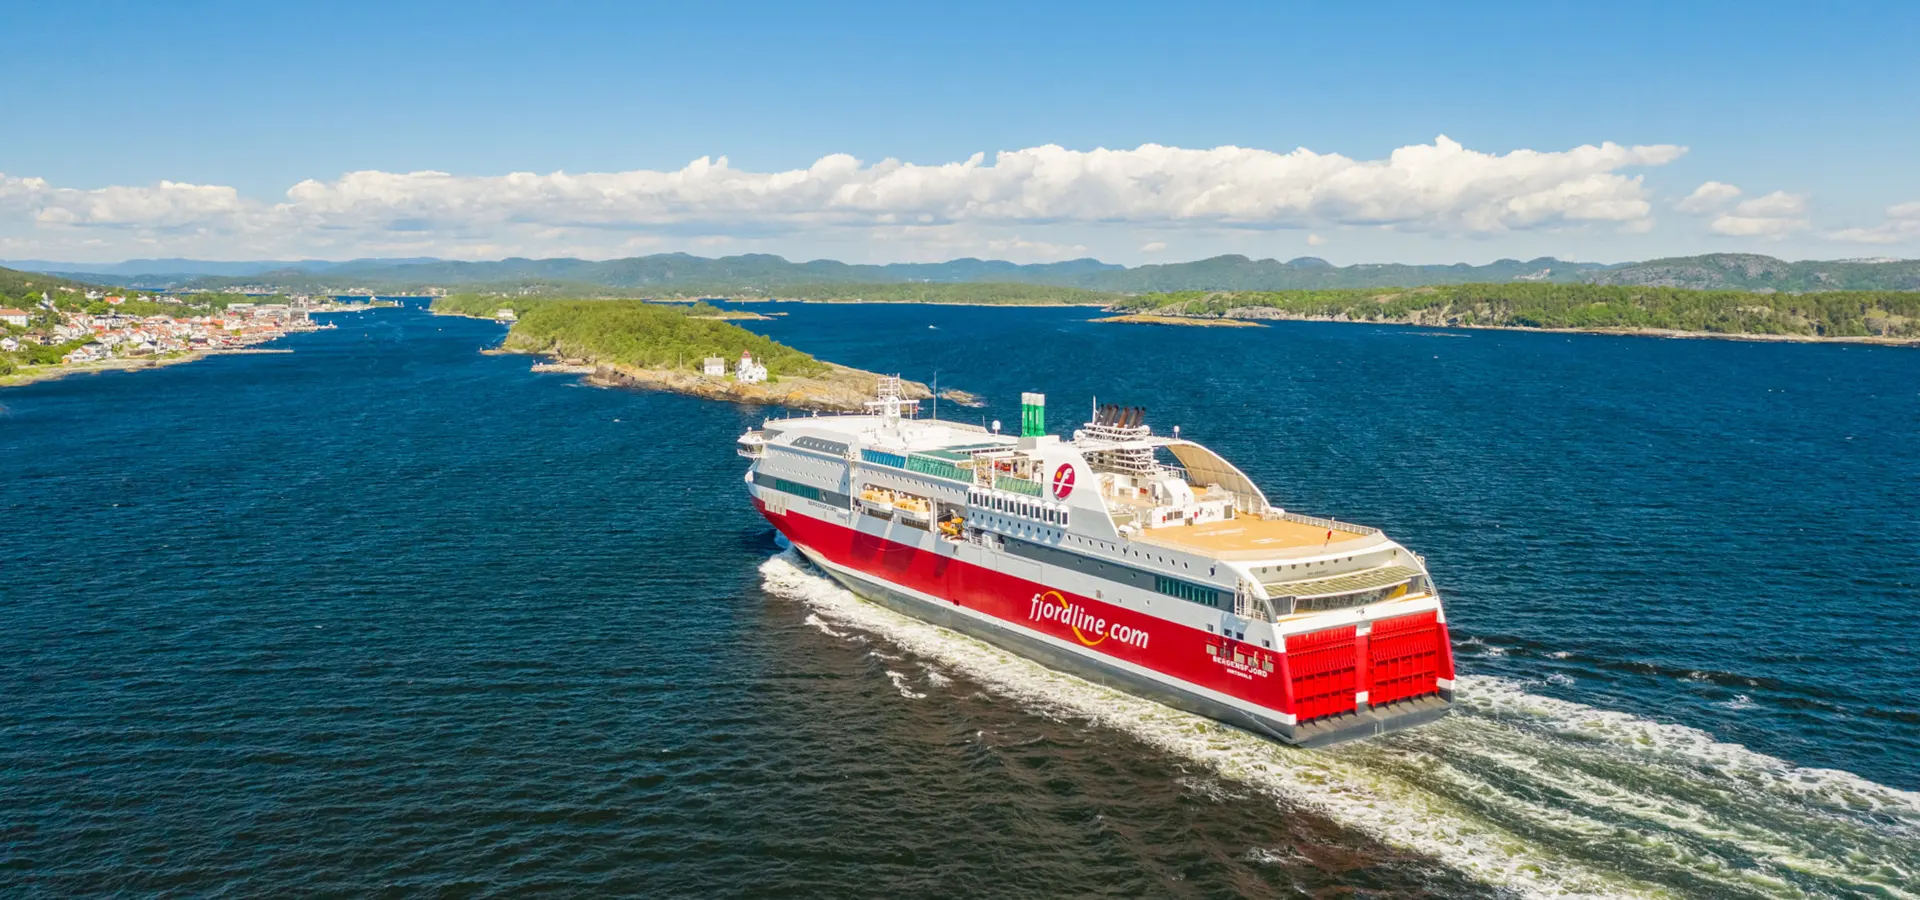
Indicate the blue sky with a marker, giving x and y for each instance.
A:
(1810, 111)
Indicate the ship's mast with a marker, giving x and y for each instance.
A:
(888, 404)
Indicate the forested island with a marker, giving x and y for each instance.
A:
(1870, 316)
(1716, 295)
(1878, 316)
(664, 347)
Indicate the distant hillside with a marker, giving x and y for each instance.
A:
(764, 274)
(667, 270)
(16, 284)
(1238, 273)
(181, 269)
(1893, 315)
(1752, 272)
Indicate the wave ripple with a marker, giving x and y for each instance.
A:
(1543, 796)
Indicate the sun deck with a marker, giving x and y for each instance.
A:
(1249, 534)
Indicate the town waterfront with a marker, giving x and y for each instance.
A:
(386, 613)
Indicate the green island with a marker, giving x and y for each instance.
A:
(636, 343)
(960, 294)
(1865, 316)
(1728, 295)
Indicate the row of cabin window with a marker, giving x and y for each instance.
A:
(1045, 514)
(1174, 587)
(797, 489)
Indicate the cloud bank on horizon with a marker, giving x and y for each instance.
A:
(975, 205)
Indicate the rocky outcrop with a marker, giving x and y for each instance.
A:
(840, 390)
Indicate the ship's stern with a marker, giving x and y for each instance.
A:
(1370, 677)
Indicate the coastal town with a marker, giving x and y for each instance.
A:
(59, 334)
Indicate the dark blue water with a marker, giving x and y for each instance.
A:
(389, 614)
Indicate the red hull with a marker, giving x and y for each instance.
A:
(1314, 676)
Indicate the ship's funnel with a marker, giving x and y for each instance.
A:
(1033, 415)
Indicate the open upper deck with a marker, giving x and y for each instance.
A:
(1253, 536)
(1196, 502)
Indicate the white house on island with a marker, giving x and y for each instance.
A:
(714, 367)
(749, 371)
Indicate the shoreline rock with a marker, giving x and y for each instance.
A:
(1198, 321)
(964, 398)
(842, 389)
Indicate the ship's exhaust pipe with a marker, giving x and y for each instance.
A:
(1033, 415)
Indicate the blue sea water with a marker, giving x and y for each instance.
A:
(387, 614)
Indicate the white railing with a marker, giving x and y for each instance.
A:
(1319, 522)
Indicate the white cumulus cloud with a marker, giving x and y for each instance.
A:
(1901, 225)
(1772, 216)
(1709, 197)
(1440, 188)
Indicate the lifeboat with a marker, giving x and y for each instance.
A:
(912, 509)
(877, 502)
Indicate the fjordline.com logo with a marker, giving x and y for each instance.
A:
(1052, 607)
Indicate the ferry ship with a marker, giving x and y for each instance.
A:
(1141, 561)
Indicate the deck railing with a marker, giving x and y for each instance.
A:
(1288, 605)
(1317, 521)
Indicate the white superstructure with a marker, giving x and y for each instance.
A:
(1139, 560)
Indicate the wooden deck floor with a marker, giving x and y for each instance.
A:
(1245, 534)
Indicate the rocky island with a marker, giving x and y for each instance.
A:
(1204, 321)
(687, 350)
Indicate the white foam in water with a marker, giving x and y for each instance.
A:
(1608, 803)
(821, 624)
(900, 684)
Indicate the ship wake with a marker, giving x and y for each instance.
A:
(1538, 795)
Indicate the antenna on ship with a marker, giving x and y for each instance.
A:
(889, 402)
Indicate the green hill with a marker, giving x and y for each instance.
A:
(1893, 314)
(629, 332)
(1752, 272)
(15, 284)
(761, 275)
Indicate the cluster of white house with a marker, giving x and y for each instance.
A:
(747, 371)
(115, 334)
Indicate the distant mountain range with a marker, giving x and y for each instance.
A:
(762, 273)
(189, 268)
